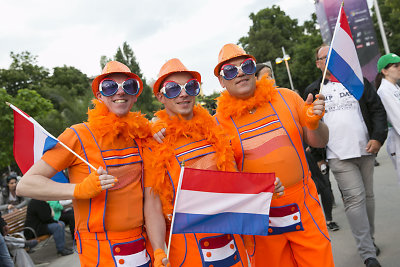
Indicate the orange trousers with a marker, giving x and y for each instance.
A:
(198, 250)
(308, 248)
(130, 248)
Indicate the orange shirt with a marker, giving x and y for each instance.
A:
(264, 141)
(122, 159)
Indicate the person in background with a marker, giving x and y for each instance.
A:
(16, 246)
(263, 69)
(9, 200)
(5, 258)
(64, 215)
(386, 82)
(39, 218)
(358, 128)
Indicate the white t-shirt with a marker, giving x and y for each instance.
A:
(348, 134)
(390, 97)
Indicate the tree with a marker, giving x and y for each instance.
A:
(209, 102)
(390, 12)
(24, 73)
(70, 92)
(55, 100)
(272, 29)
(146, 103)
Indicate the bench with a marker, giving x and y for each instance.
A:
(16, 223)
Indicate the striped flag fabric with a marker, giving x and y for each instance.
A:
(31, 140)
(223, 202)
(342, 59)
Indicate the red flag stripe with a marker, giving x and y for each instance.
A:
(23, 142)
(344, 24)
(227, 182)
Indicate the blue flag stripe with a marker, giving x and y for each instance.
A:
(224, 223)
(345, 75)
(49, 143)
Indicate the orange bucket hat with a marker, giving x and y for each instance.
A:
(228, 52)
(172, 66)
(115, 67)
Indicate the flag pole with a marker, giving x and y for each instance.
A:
(330, 48)
(44, 130)
(176, 200)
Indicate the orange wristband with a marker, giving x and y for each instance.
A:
(159, 255)
(88, 188)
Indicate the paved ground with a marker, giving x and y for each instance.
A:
(387, 194)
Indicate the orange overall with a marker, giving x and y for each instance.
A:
(270, 139)
(108, 227)
(197, 250)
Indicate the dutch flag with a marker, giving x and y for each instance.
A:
(31, 141)
(342, 59)
(223, 202)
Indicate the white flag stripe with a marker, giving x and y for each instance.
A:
(38, 144)
(222, 253)
(137, 259)
(284, 221)
(208, 203)
(346, 49)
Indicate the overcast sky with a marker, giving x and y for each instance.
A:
(77, 33)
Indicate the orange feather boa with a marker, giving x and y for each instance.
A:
(108, 126)
(201, 127)
(230, 106)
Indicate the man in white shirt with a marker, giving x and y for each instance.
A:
(357, 130)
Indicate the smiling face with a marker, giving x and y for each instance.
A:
(120, 103)
(243, 85)
(182, 104)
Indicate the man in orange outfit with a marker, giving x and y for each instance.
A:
(269, 125)
(108, 204)
(192, 136)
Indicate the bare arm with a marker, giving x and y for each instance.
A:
(36, 183)
(155, 221)
(318, 137)
(154, 218)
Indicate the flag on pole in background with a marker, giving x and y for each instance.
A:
(343, 61)
(31, 140)
(223, 202)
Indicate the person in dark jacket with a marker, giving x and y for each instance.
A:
(357, 130)
(40, 219)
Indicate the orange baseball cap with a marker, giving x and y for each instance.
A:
(228, 52)
(115, 67)
(172, 66)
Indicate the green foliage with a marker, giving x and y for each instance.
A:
(271, 30)
(209, 102)
(390, 13)
(22, 74)
(55, 100)
(70, 91)
(146, 103)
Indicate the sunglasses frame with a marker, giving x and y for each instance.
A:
(237, 69)
(162, 90)
(119, 85)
